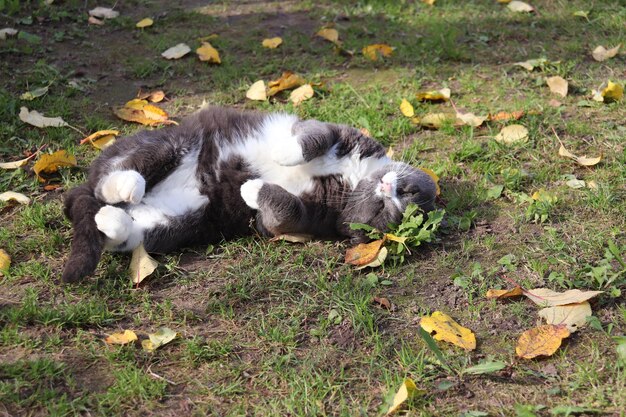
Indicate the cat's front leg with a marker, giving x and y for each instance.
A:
(310, 139)
(126, 186)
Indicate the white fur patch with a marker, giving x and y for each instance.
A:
(250, 192)
(122, 187)
(115, 223)
(288, 153)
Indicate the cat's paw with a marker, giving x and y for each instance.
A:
(250, 192)
(288, 153)
(123, 186)
(115, 223)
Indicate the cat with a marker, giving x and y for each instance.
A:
(205, 180)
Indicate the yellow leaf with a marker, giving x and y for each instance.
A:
(434, 176)
(49, 163)
(436, 120)
(12, 195)
(287, 81)
(470, 119)
(505, 293)
(406, 108)
(293, 238)
(33, 117)
(612, 92)
(329, 34)
(363, 253)
(573, 316)
(582, 160)
(123, 338)
(155, 113)
(209, 54)
(162, 337)
(429, 2)
(101, 139)
(99, 134)
(301, 93)
(380, 258)
(545, 297)
(520, 6)
(5, 261)
(372, 52)
(406, 391)
(543, 195)
(602, 54)
(177, 51)
(434, 95)
(141, 264)
(558, 85)
(503, 116)
(257, 91)
(540, 341)
(148, 115)
(272, 43)
(33, 94)
(448, 330)
(15, 164)
(564, 152)
(136, 104)
(394, 238)
(144, 23)
(582, 13)
(512, 134)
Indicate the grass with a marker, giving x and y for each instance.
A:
(275, 329)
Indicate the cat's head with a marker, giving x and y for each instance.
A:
(382, 197)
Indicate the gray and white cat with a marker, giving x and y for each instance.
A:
(203, 181)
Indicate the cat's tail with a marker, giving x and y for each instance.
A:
(81, 207)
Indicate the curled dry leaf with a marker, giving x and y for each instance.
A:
(582, 160)
(104, 13)
(123, 338)
(141, 264)
(380, 259)
(558, 85)
(504, 116)
(405, 392)
(373, 52)
(33, 117)
(330, 34)
(95, 21)
(139, 111)
(512, 134)
(434, 96)
(50, 163)
(363, 253)
(406, 108)
(152, 96)
(162, 337)
(286, 81)
(293, 238)
(505, 293)
(531, 64)
(272, 43)
(545, 297)
(436, 120)
(304, 92)
(208, 53)
(382, 302)
(447, 329)
(257, 91)
(101, 139)
(602, 54)
(520, 6)
(470, 119)
(15, 164)
(573, 316)
(13, 196)
(541, 341)
(177, 51)
(6, 32)
(144, 23)
(33, 94)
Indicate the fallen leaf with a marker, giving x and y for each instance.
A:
(12, 195)
(368, 134)
(406, 108)
(177, 51)
(162, 337)
(564, 152)
(485, 368)
(144, 23)
(5, 262)
(102, 139)
(520, 6)
(257, 91)
(372, 52)
(429, 2)
(49, 163)
(406, 391)
(436, 120)
(380, 259)
(272, 43)
(99, 134)
(207, 53)
(434, 96)
(123, 338)
(329, 34)
(363, 253)
(6, 32)
(543, 195)
(503, 116)
(612, 92)
(95, 21)
(512, 134)
(448, 330)
(581, 13)
(15, 164)
(434, 176)
(141, 264)
(304, 92)
(582, 160)
(545, 297)
(37, 119)
(531, 64)
(33, 94)
(286, 81)
(152, 96)
(104, 13)
(592, 185)
(51, 187)
(573, 316)
(575, 183)
(293, 238)
(602, 54)
(383, 302)
(155, 113)
(554, 103)
(470, 119)
(558, 85)
(514, 292)
(136, 104)
(540, 341)
(148, 115)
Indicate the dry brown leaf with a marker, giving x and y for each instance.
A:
(176, 51)
(520, 6)
(406, 108)
(49, 163)
(272, 43)
(558, 85)
(329, 34)
(123, 338)
(573, 316)
(434, 96)
(545, 297)
(512, 134)
(257, 91)
(293, 238)
(152, 96)
(470, 119)
(286, 81)
(304, 92)
(373, 52)
(33, 117)
(364, 253)
(208, 53)
(447, 329)
(12, 195)
(504, 116)
(505, 293)
(144, 23)
(582, 160)
(95, 21)
(5, 262)
(540, 341)
(141, 264)
(100, 137)
(149, 115)
(602, 54)
(383, 302)
(380, 259)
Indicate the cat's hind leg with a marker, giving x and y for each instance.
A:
(310, 139)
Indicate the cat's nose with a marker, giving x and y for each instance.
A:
(385, 188)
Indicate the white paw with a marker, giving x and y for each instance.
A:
(115, 223)
(250, 192)
(123, 186)
(288, 153)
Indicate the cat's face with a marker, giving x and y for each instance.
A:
(381, 198)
